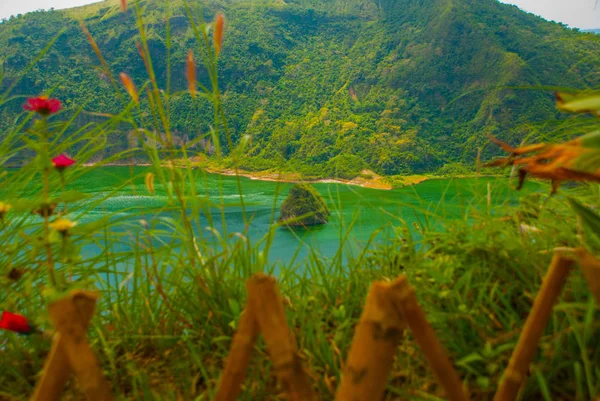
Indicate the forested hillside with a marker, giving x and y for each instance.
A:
(397, 86)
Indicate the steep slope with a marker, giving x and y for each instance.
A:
(399, 85)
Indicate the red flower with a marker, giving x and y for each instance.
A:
(62, 162)
(42, 105)
(14, 322)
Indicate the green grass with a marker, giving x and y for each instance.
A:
(165, 325)
(171, 300)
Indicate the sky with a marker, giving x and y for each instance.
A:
(14, 7)
(584, 14)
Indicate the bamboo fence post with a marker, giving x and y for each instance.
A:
(434, 352)
(239, 357)
(68, 316)
(516, 372)
(57, 369)
(591, 272)
(371, 354)
(55, 373)
(268, 308)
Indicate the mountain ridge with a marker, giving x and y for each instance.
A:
(399, 86)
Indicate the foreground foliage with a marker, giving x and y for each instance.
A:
(171, 278)
(165, 333)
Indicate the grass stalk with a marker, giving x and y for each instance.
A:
(591, 272)
(46, 207)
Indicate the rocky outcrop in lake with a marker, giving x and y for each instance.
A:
(304, 207)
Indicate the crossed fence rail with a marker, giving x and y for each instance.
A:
(390, 309)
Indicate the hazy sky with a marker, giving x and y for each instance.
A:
(14, 7)
(576, 13)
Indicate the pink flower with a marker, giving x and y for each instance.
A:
(13, 322)
(62, 162)
(42, 105)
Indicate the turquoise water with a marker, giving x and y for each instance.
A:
(356, 212)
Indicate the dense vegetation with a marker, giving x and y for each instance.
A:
(171, 278)
(398, 86)
(304, 206)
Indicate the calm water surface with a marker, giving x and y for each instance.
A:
(359, 211)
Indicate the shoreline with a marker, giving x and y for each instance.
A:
(378, 183)
(368, 180)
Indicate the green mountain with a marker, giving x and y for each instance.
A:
(397, 86)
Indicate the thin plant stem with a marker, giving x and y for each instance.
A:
(45, 209)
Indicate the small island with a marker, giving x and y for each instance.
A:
(304, 200)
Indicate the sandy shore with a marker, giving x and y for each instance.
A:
(368, 179)
(373, 181)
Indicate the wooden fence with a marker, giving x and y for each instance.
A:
(390, 309)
